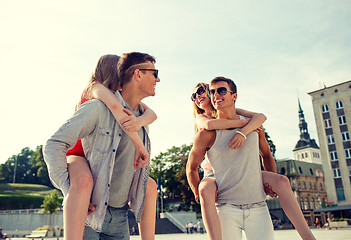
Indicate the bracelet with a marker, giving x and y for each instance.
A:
(241, 134)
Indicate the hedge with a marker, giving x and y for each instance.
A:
(11, 202)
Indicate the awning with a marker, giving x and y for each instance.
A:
(331, 209)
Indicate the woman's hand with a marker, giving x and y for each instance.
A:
(130, 123)
(141, 157)
(236, 141)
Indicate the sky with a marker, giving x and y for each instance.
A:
(275, 51)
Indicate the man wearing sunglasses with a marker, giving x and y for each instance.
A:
(109, 150)
(241, 199)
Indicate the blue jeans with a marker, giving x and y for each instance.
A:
(115, 226)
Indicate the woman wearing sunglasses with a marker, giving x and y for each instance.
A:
(205, 115)
(101, 86)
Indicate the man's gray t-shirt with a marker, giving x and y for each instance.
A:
(123, 170)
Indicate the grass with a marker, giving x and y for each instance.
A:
(24, 189)
(22, 196)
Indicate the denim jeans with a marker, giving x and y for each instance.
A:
(115, 226)
(253, 219)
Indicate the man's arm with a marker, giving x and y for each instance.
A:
(80, 125)
(202, 142)
(268, 160)
(257, 119)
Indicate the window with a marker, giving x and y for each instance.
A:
(337, 173)
(313, 205)
(333, 156)
(300, 169)
(310, 185)
(303, 155)
(303, 185)
(342, 120)
(330, 139)
(339, 105)
(321, 186)
(327, 123)
(340, 194)
(314, 186)
(325, 108)
(302, 205)
(345, 136)
(306, 155)
(349, 167)
(348, 153)
(307, 204)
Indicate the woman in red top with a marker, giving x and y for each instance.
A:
(102, 85)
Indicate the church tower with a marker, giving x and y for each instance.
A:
(306, 148)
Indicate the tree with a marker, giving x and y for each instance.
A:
(39, 168)
(170, 166)
(17, 168)
(270, 143)
(51, 202)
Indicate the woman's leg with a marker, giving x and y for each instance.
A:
(207, 191)
(280, 184)
(75, 209)
(148, 218)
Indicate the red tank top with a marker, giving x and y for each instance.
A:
(78, 150)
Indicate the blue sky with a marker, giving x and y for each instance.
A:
(275, 51)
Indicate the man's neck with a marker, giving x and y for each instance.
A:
(228, 113)
(131, 97)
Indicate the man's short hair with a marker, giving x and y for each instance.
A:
(231, 84)
(128, 63)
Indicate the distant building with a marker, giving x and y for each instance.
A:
(306, 149)
(307, 183)
(332, 112)
(306, 177)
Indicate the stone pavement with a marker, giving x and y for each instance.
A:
(320, 234)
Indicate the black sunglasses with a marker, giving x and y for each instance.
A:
(154, 70)
(199, 91)
(221, 91)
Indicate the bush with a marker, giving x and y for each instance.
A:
(11, 202)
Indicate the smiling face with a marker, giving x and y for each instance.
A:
(202, 100)
(220, 100)
(148, 80)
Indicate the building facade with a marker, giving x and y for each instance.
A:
(332, 112)
(306, 177)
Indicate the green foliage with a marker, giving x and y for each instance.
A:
(51, 203)
(271, 145)
(22, 196)
(30, 168)
(11, 202)
(170, 166)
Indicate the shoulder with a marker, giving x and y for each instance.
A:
(205, 137)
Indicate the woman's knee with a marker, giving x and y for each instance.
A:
(83, 182)
(151, 190)
(207, 188)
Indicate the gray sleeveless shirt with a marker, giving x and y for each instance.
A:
(237, 171)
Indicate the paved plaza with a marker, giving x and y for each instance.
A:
(321, 234)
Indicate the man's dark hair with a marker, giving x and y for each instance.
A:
(128, 63)
(230, 82)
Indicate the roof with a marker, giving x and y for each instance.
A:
(294, 167)
(331, 209)
(329, 87)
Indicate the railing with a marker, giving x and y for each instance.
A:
(22, 211)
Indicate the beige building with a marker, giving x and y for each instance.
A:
(332, 112)
(306, 178)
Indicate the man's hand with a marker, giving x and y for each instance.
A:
(91, 208)
(236, 141)
(268, 190)
(141, 157)
(130, 123)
